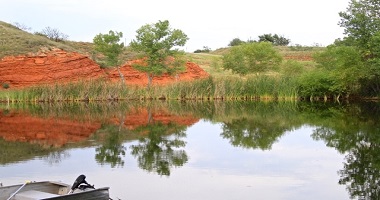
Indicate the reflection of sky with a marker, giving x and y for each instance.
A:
(295, 168)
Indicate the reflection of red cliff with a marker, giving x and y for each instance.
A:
(57, 66)
(56, 132)
(22, 127)
(140, 117)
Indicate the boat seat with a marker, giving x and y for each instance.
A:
(33, 195)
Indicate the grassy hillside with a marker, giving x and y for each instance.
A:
(14, 41)
(212, 62)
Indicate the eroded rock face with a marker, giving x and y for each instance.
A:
(57, 66)
(132, 76)
(50, 67)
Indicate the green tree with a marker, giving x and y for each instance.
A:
(109, 45)
(344, 65)
(361, 23)
(274, 39)
(155, 43)
(251, 58)
(236, 42)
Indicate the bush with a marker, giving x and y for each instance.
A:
(236, 42)
(5, 85)
(274, 39)
(204, 50)
(318, 83)
(252, 58)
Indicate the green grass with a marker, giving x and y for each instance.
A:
(14, 41)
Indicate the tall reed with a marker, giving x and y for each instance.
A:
(231, 88)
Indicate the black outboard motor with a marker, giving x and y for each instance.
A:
(81, 184)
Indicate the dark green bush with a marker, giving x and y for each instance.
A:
(5, 85)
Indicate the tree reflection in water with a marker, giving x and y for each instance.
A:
(253, 134)
(361, 172)
(56, 157)
(112, 149)
(160, 150)
(356, 133)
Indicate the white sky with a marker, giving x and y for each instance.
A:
(206, 22)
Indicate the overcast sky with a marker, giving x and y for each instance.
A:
(206, 22)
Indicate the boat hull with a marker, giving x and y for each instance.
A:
(48, 190)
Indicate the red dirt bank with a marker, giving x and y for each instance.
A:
(58, 66)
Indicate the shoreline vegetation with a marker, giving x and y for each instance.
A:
(280, 85)
(262, 88)
(283, 84)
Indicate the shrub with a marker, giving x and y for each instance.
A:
(5, 85)
(205, 49)
(236, 42)
(274, 39)
(251, 58)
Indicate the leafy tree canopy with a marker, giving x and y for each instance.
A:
(155, 42)
(236, 42)
(274, 39)
(361, 23)
(252, 58)
(109, 45)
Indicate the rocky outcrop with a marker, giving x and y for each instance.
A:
(47, 67)
(132, 76)
(57, 66)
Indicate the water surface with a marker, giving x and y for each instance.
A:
(214, 150)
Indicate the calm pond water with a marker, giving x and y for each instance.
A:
(197, 150)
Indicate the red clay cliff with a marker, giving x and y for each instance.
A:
(58, 66)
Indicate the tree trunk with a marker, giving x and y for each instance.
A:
(121, 76)
(150, 78)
